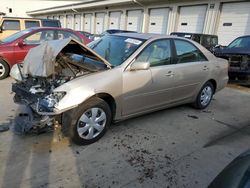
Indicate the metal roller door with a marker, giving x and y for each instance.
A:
(87, 22)
(69, 21)
(158, 20)
(78, 22)
(134, 20)
(61, 18)
(99, 24)
(114, 20)
(234, 22)
(192, 19)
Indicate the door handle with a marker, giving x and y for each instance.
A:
(170, 73)
(205, 68)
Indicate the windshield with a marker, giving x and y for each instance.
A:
(15, 36)
(243, 42)
(115, 49)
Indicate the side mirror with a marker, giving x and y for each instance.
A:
(140, 66)
(21, 44)
(218, 46)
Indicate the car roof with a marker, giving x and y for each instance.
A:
(143, 36)
(54, 28)
(186, 33)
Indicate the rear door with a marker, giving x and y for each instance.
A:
(190, 72)
(148, 89)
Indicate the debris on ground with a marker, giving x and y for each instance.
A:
(4, 128)
(193, 116)
(149, 164)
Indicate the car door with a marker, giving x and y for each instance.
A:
(144, 90)
(191, 70)
(25, 44)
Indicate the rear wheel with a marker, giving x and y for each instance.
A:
(90, 121)
(4, 69)
(205, 96)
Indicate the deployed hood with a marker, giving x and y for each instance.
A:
(40, 61)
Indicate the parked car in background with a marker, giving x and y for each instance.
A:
(116, 77)
(14, 48)
(109, 32)
(208, 41)
(238, 55)
(11, 25)
(236, 174)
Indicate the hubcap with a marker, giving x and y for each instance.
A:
(2, 70)
(91, 123)
(206, 95)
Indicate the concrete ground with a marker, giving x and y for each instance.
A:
(178, 147)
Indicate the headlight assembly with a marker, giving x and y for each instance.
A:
(48, 103)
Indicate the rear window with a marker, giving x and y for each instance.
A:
(50, 23)
(29, 24)
(11, 25)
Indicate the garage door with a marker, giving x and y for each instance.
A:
(99, 23)
(234, 21)
(87, 22)
(78, 22)
(69, 21)
(114, 20)
(61, 18)
(134, 20)
(158, 20)
(192, 19)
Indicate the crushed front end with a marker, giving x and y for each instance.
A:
(46, 68)
(239, 67)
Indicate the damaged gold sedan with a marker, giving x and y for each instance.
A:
(114, 78)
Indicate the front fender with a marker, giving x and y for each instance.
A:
(74, 96)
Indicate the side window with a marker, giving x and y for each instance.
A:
(39, 37)
(29, 24)
(65, 34)
(11, 25)
(157, 53)
(187, 52)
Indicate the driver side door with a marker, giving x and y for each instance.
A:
(145, 90)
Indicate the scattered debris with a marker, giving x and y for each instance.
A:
(4, 128)
(193, 116)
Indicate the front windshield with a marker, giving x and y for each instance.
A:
(15, 36)
(115, 49)
(243, 42)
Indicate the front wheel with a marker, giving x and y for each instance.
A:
(90, 121)
(4, 69)
(205, 96)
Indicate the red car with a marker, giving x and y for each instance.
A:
(14, 48)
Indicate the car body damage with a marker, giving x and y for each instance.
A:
(42, 78)
(116, 77)
(238, 55)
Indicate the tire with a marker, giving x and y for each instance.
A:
(83, 133)
(4, 69)
(205, 96)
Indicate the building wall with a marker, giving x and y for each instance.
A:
(176, 14)
(20, 7)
